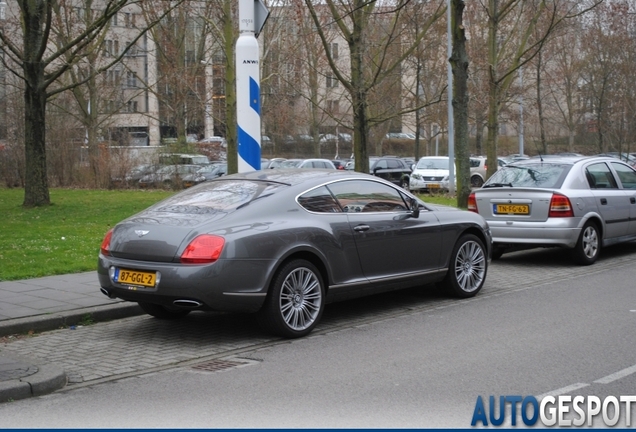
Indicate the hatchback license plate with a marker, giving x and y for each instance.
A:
(514, 209)
(433, 186)
(134, 277)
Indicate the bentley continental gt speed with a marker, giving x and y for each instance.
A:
(283, 243)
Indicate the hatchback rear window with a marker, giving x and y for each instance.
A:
(220, 195)
(543, 175)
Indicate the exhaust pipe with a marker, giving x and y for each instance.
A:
(106, 293)
(190, 304)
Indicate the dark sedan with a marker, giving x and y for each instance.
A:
(283, 243)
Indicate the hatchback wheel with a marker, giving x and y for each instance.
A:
(405, 183)
(476, 181)
(295, 300)
(589, 245)
(467, 268)
(162, 312)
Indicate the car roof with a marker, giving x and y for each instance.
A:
(558, 159)
(297, 176)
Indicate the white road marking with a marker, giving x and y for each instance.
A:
(563, 390)
(616, 376)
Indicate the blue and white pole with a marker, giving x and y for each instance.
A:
(248, 94)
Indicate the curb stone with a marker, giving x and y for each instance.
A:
(47, 379)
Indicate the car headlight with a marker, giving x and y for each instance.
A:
(416, 176)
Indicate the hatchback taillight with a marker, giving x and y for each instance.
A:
(204, 249)
(472, 203)
(560, 206)
(105, 247)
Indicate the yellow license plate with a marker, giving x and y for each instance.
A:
(134, 277)
(433, 186)
(513, 209)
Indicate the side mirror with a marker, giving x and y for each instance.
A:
(414, 207)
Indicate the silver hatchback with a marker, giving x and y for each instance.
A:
(580, 203)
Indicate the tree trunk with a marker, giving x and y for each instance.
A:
(359, 96)
(231, 131)
(36, 191)
(544, 144)
(493, 93)
(459, 64)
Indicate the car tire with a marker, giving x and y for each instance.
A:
(295, 300)
(588, 246)
(405, 183)
(162, 312)
(467, 267)
(476, 181)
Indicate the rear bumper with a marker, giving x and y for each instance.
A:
(562, 232)
(231, 286)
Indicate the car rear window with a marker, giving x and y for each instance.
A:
(544, 175)
(218, 195)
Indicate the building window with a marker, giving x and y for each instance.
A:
(331, 81)
(132, 107)
(334, 50)
(333, 106)
(113, 20)
(108, 48)
(116, 48)
(131, 80)
(129, 19)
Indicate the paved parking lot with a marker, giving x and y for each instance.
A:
(142, 344)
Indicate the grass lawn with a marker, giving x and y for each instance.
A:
(65, 237)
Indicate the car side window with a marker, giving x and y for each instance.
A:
(626, 175)
(599, 176)
(367, 196)
(381, 165)
(319, 200)
(393, 164)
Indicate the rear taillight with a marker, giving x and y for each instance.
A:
(105, 247)
(204, 249)
(560, 206)
(472, 203)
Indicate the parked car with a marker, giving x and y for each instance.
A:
(431, 174)
(183, 159)
(207, 172)
(391, 168)
(625, 157)
(478, 171)
(132, 177)
(214, 140)
(308, 163)
(283, 243)
(398, 135)
(168, 176)
(579, 203)
(273, 163)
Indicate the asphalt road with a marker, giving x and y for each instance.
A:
(406, 359)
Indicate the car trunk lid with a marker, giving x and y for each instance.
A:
(514, 204)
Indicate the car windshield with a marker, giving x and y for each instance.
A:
(439, 164)
(530, 175)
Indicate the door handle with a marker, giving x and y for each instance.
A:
(632, 200)
(603, 201)
(361, 228)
